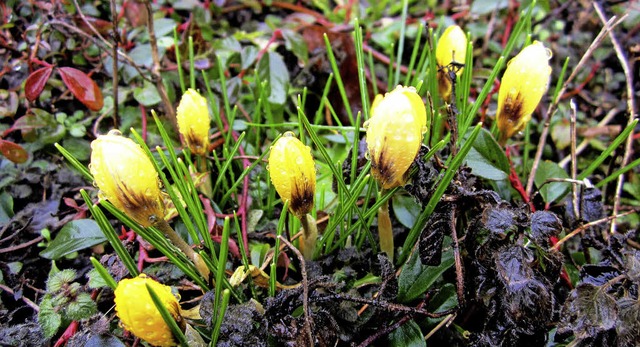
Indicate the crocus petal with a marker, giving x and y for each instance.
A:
(139, 314)
(523, 84)
(293, 173)
(194, 121)
(126, 177)
(394, 134)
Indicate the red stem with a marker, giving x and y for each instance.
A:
(68, 333)
(514, 179)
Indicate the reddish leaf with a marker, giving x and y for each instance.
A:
(36, 81)
(13, 151)
(82, 87)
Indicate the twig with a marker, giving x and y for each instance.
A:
(114, 83)
(155, 69)
(585, 227)
(574, 159)
(612, 23)
(26, 300)
(22, 245)
(448, 319)
(305, 289)
(458, 262)
(105, 45)
(581, 147)
(630, 108)
(384, 331)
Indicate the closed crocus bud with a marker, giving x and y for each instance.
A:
(126, 177)
(139, 314)
(194, 122)
(293, 173)
(394, 134)
(523, 84)
(452, 48)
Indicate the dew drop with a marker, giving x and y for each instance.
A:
(289, 134)
(367, 155)
(365, 125)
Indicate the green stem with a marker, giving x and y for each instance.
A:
(385, 231)
(177, 241)
(310, 228)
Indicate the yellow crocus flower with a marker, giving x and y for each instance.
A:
(194, 122)
(452, 48)
(523, 84)
(394, 134)
(293, 173)
(139, 315)
(126, 177)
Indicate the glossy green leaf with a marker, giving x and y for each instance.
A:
(407, 335)
(551, 191)
(405, 209)
(74, 236)
(272, 69)
(487, 159)
(415, 278)
(147, 95)
(296, 44)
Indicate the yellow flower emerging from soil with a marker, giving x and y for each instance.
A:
(293, 173)
(523, 84)
(194, 122)
(394, 134)
(452, 48)
(139, 314)
(126, 177)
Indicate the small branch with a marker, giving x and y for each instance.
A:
(574, 159)
(22, 245)
(114, 78)
(104, 45)
(305, 289)
(155, 69)
(612, 23)
(583, 145)
(26, 300)
(585, 227)
(458, 262)
(630, 108)
(385, 331)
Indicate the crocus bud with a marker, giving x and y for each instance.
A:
(126, 177)
(524, 82)
(452, 48)
(139, 314)
(394, 134)
(194, 122)
(293, 173)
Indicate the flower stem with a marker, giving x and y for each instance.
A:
(177, 241)
(385, 231)
(206, 186)
(310, 228)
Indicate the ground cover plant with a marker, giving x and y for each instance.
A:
(246, 173)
